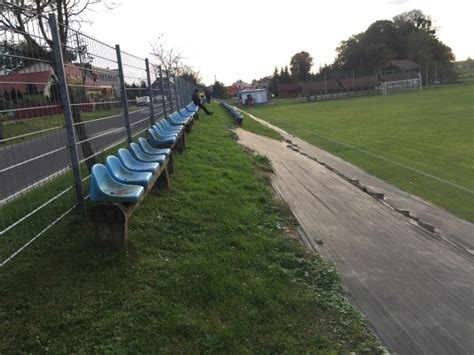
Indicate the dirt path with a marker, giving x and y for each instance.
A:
(415, 288)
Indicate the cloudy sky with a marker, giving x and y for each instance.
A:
(246, 39)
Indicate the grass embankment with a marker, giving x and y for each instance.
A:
(249, 124)
(207, 268)
(420, 142)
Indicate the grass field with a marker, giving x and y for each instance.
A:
(420, 142)
(208, 268)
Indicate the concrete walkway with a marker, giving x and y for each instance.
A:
(415, 287)
(447, 226)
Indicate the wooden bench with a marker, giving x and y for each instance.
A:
(116, 200)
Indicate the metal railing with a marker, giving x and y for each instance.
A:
(66, 101)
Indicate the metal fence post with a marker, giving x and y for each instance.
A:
(124, 94)
(169, 90)
(65, 101)
(181, 92)
(188, 89)
(178, 86)
(150, 92)
(176, 93)
(1, 128)
(163, 96)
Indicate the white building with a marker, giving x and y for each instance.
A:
(253, 96)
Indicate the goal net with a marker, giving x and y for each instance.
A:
(401, 85)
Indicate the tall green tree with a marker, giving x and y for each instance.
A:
(285, 77)
(410, 35)
(300, 66)
(219, 91)
(273, 84)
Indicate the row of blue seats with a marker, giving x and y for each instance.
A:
(124, 178)
(239, 118)
(159, 135)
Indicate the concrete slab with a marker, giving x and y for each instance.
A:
(448, 226)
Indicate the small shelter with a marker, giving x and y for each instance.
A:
(253, 96)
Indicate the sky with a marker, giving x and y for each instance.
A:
(246, 39)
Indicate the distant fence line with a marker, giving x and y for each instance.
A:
(65, 101)
(395, 75)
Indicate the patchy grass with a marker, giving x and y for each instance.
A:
(420, 142)
(207, 268)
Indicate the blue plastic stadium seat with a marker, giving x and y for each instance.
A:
(168, 127)
(132, 164)
(239, 118)
(105, 189)
(192, 107)
(158, 141)
(185, 113)
(147, 148)
(176, 119)
(120, 173)
(140, 155)
(164, 133)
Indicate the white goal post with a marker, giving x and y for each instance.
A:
(401, 85)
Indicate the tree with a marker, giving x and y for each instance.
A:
(16, 16)
(416, 18)
(470, 62)
(188, 73)
(143, 89)
(300, 66)
(285, 77)
(273, 84)
(410, 35)
(219, 91)
(168, 58)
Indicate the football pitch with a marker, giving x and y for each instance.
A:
(422, 142)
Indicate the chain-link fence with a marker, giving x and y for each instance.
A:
(66, 99)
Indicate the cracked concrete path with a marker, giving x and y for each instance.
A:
(415, 288)
(448, 226)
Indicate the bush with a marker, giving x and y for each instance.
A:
(5, 104)
(36, 100)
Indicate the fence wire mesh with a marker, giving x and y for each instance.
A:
(111, 101)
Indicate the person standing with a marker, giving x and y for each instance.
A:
(197, 101)
(207, 93)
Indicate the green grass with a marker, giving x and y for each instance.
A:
(249, 124)
(207, 268)
(402, 139)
